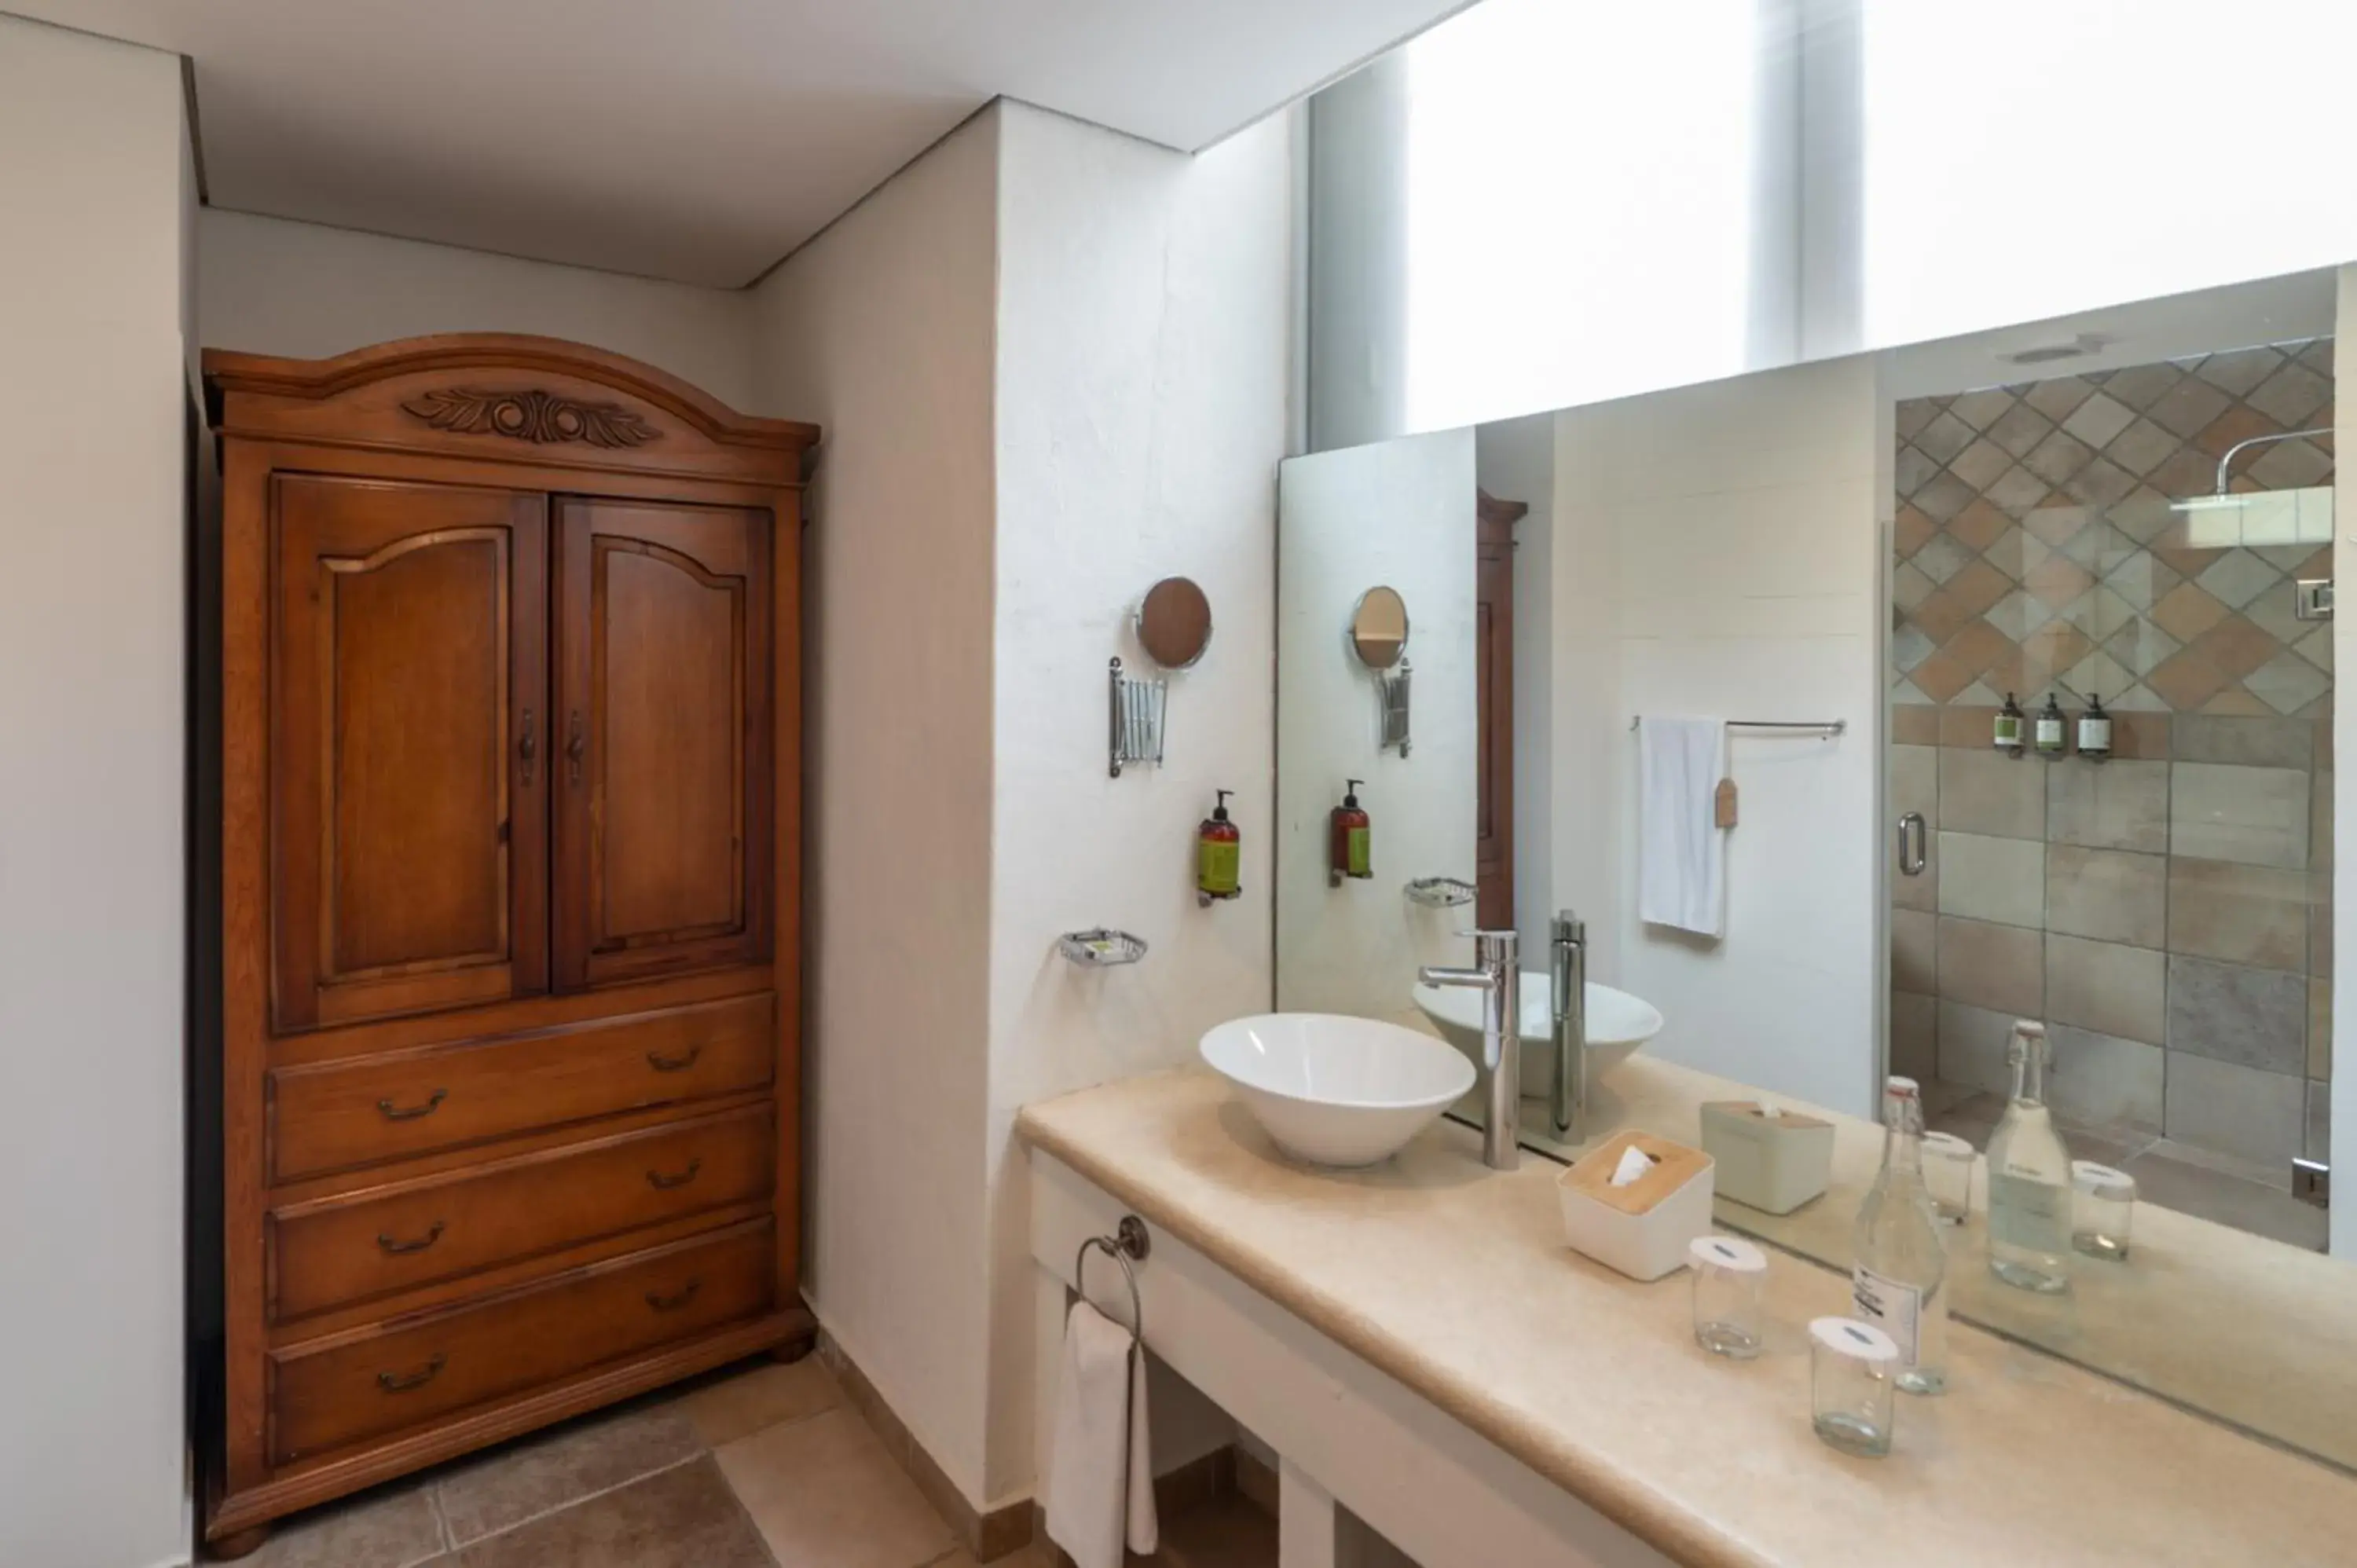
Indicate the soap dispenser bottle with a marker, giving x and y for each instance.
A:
(2094, 730)
(2052, 728)
(1219, 851)
(1352, 850)
(2007, 732)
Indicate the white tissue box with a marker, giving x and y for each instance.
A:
(1771, 1162)
(1640, 1230)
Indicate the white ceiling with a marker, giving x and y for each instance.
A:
(691, 139)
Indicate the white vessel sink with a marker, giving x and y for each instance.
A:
(1618, 1024)
(1336, 1091)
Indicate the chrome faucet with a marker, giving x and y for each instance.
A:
(1568, 972)
(1497, 973)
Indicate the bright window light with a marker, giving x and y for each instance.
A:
(1579, 203)
(2027, 158)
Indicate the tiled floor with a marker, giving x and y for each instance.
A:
(2166, 1174)
(762, 1466)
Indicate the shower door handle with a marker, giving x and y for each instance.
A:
(1911, 844)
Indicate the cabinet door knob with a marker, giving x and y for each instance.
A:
(528, 748)
(432, 1234)
(679, 1063)
(402, 1382)
(411, 1113)
(576, 746)
(673, 1303)
(662, 1183)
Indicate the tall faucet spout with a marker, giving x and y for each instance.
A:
(1567, 978)
(1497, 973)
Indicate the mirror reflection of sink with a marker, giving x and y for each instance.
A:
(1618, 1024)
(1337, 1090)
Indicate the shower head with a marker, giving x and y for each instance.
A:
(2227, 518)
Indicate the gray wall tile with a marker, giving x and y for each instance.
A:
(2110, 805)
(1914, 1035)
(2239, 1111)
(2252, 742)
(1993, 879)
(2316, 1143)
(1914, 948)
(1997, 967)
(1972, 1046)
(2105, 1081)
(2254, 816)
(2107, 987)
(2243, 914)
(2254, 1017)
(1915, 781)
(1989, 792)
(2320, 1028)
(2107, 894)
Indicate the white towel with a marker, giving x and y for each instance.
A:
(1100, 1473)
(1680, 848)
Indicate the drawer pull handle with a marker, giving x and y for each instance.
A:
(431, 1235)
(660, 1182)
(402, 1382)
(411, 1113)
(679, 1063)
(673, 1303)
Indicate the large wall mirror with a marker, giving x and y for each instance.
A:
(1864, 567)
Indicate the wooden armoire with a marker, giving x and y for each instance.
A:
(508, 881)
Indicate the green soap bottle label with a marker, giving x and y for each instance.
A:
(1216, 866)
(1361, 852)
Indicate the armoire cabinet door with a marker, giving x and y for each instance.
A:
(410, 748)
(662, 788)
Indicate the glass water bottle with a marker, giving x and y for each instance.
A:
(2028, 1176)
(1898, 1280)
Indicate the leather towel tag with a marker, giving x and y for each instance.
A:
(1723, 803)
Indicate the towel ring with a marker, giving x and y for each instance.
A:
(1128, 1241)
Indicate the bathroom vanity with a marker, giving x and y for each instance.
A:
(1421, 1350)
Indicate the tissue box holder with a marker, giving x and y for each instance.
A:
(1771, 1162)
(1640, 1230)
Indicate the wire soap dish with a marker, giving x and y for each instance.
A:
(1099, 948)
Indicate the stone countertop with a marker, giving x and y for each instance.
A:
(2177, 1318)
(1454, 1280)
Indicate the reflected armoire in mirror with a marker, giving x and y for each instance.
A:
(499, 667)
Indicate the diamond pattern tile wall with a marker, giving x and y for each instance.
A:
(2035, 544)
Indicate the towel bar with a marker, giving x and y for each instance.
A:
(1128, 1241)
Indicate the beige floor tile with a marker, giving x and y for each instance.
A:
(724, 1411)
(684, 1517)
(545, 1472)
(826, 1495)
(392, 1528)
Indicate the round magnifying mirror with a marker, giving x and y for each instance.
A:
(1379, 628)
(1173, 623)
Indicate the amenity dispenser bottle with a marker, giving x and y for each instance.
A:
(2006, 733)
(2094, 731)
(2052, 730)
(2028, 1176)
(1219, 853)
(1351, 853)
(1899, 1283)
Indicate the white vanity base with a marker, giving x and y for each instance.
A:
(1345, 1432)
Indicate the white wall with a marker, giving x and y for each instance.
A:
(92, 1441)
(882, 331)
(1397, 514)
(1142, 381)
(1515, 461)
(1717, 553)
(271, 286)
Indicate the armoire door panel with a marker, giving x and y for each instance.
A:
(409, 811)
(662, 815)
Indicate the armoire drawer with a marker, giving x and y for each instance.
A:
(339, 1250)
(330, 1116)
(405, 1372)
